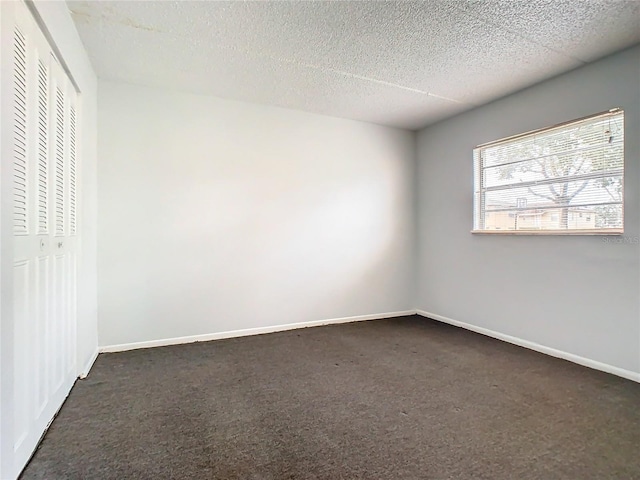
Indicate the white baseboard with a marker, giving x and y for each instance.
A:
(249, 331)
(621, 372)
(87, 368)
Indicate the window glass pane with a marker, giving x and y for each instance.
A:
(596, 133)
(604, 159)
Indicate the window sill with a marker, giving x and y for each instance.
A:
(610, 231)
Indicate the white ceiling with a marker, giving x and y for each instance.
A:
(405, 64)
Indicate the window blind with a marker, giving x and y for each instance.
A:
(563, 179)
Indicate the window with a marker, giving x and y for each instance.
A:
(565, 179)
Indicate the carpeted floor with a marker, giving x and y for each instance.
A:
(404, 398)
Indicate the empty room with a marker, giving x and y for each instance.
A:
(320, 240)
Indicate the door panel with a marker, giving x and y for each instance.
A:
(60, 320)
(21, 303)
(43, 332)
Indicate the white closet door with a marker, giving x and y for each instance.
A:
(44, 119)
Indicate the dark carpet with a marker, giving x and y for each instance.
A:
(404, 398)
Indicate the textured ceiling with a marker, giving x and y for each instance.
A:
(405, 64)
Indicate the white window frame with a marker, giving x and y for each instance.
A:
(479, 191)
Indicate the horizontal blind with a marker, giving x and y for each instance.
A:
(569, 177)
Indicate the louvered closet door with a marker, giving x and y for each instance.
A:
(45, 167)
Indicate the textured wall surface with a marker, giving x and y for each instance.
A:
(579, 295)
(404, 64)
(217, 215)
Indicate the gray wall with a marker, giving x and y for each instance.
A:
(579, 295)
(218, 216)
